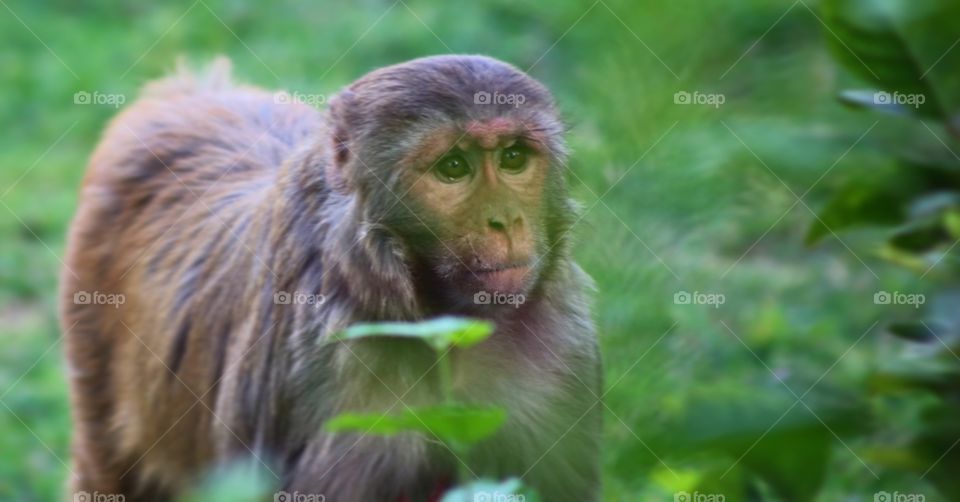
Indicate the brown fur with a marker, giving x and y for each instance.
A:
(204, 199)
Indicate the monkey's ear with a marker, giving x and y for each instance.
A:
(341, 107)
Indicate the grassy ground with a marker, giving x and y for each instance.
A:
(691, 198)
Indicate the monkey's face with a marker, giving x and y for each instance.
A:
(478, 190)
(482, 203)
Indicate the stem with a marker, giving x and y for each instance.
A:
(446, 376)
(463, 474)
(446, 389)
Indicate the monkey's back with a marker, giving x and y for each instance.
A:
(164, 221)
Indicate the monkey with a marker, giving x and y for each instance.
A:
(245, 229)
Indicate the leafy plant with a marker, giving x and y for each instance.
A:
(458, 425)
(905, 51)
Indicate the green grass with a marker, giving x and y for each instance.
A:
(687, 194)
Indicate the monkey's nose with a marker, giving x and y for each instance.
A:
(499, 223)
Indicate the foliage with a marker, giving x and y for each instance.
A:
(898, 47)
(440, 333)
(457, 425)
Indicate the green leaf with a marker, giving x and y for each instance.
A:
(370, 423)
(861, 203)
(872, 99)
(951, 222)
(455, 423)
(934, 204)
(915, 331)
(935, 376)
(900, 46)
(240, 481)
(927, 226)
(936, 444)
(486, 489)
(440, 333)
(461, 424)
(930, 155)
(919, 236)
(902, 258)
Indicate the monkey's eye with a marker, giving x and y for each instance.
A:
(513, 159)
(452, 168)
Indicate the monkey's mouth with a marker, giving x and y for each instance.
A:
(507, 279)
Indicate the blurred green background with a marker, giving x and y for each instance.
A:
(782, 392)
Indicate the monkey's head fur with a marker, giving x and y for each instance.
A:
(459, 159)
